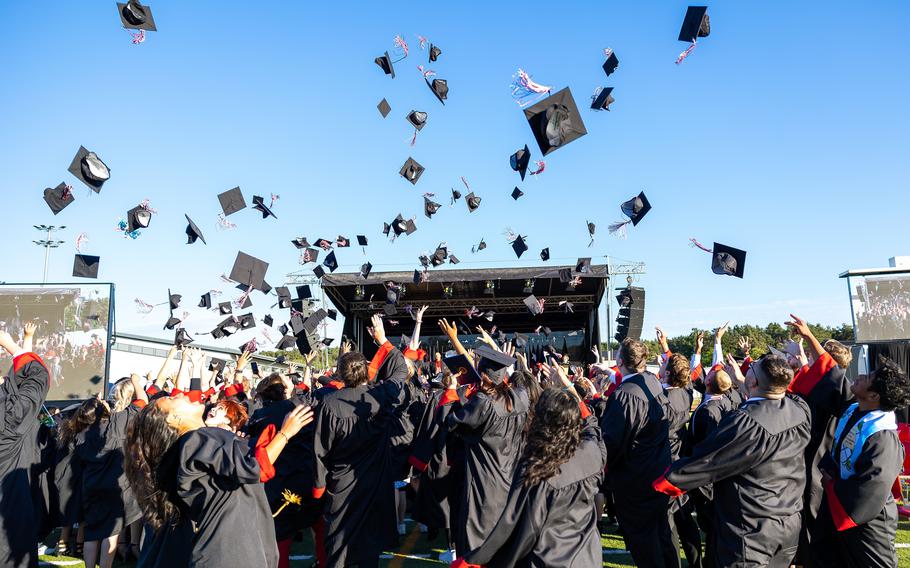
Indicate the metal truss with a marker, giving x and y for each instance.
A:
(510, 305)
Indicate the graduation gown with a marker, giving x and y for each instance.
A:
(492, 446)
(755, 458)
(680, 401)
(21, 397)
(67, 485)
(355, 470)
(552, 523)
(635, 428)
(108, 504)
(429, 457)
(858, 517)
(219, 485)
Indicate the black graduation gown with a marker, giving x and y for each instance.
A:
(355, 470)
(21, 397)
(680, 401)
(552, 523)
(858, 518)
(394, 368)
(218, 483)
(44, 492)
(429, 456)
(492, 446)
(635, 428)
(755, 458)
(108, 504)
(68, 485)
(293, 468)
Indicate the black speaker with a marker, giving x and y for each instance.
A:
(631, 313)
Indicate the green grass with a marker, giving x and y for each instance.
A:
(417, 551)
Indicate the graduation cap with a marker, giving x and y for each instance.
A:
(86, 266)
(309, 255)
(519, 246)
(283, 330)
(284, 297)
(342, 242)
(173, 300)
(602, 98)
(217, 365)
(172, 322)
(386, 64)
(555, 121)
(296, 324)
(362, 240)
(583, 265)
(492, 362)
(453, 259)
(384, 108)
(318, 272)
(205, 301)
(332, 314)
(430, 207)
(456, 195)
(545, 254)
(232, 201)
(249, 270)
(462, 369)
(418, 276)
(516, 193)
(479, 246)
(138, 217)
(225, 308)
(435, 52)
(304, 292)
(611, 63)
(635, 209)
(286, 342)
(440, 255)
(365, 270)
(533, 305)
(728, 261)
(330, 262)
(182, 338)
(311, 323)
(520, 160)
(565, 275)
(90, 170)
(259, 205)
(473, 201)
(696, 24)
(59, 197)
(300, 243)
(305, 343)
(192, 231)
(267, 320)
(417, 118)
(521, 340)
(592, 228)
(411, 171)
(135, 16)
(439, 87)
(247, 321)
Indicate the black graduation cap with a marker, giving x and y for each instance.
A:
(389, 309)
(283, 330)
(440, 88)
(172, 322)
(545, 254)
(592, 227)
(636, 208)
(284, 297)
(492, 362)
(555, 121)
(516, 193)
(59, 197)
(205, 301)
(696, 24)
(462, 369)
(305, 343)
(411, 171)
(173, 300)
(232, 201)
(520, 340)
(409, 226)
(247, 321)
(134, 15)
(286, 342)
(319, 272)
(565, 275)
(473, 201)
(456, 195)
(300, 243)
(304, 292)
(365, 270)
(138, 218)
(325, 244)
(519, 246)
(480, 246)
(603, 99)
(217, 365)
(259, 205)
(249, 270)
(327, 341)
(453, 259)
(332, 313)
(435, 52)
(417, 118)
(362, 240)
(417, 277)
(611, 63)
(384, 108)
(520, 160)
(86, 266)
(247, 302)
(342, 242)
(430, 207)
(311, 323)
(90, 170)
(266, 287)
(267, 320)
(583, 265)
(182, 338)
(309, 255)
(728, 261)
(296, 324)
(225, 308)
(385, 63)
(440, 255)
(192, 231)
(533, 305)
(330, 262)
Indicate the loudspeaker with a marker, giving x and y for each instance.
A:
(631, 313)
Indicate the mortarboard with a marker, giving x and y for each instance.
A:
(462, 369)
(385, 63)
(519, 246)
(330, 262)
(435, 52)
(304, 292)
(516, 193)
(324, 244)
(520, 160)
(172, 322)
(636, 208)
(311, 323)
(417, 277)
(266, 287)
(284, 297)
(411, 171)
(309, 255)
(342, 242)
(456, 195)
(224, 308)
(362, 240)
(138, 217)
(300, 243)
(90, 170)
(192, 231)
(728, 261)
(247, 321)
(520, 340)
(173, 300)
(319, 272)
(327, 341)
(259, 205)
(296, 324)
(611, 63)
(417, 118)
(555, 121)
(389, 309)
(440, 88)
(696, 24)
(267, 320)
(583, 265)
(182, 338)
(205, 301)
(565, 275)
(286, 342)
(492, 362)
(479, 246)
(249, 270)
(59, 197)
(533, 305)
(332, 313)
(86, 266)
(365, 270)
(545, 254)
(232, 201)
(453, 259)
(602, 99)
(305, 343)
(384, 108)
(430, 207)
(134, 15)
(473, 201)
(283, 330)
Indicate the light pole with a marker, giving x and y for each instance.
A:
(48, 243)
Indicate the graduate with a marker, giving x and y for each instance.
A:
(200, 488)
(22, 394)
(755, 459)
(549, 517)
(635, 428)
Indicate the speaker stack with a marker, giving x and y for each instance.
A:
(631, 313)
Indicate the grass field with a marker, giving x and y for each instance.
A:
(416, 551)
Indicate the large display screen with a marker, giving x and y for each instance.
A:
(74, 323)
(881, 307)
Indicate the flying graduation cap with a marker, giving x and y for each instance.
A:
(138, 217)
(384, 108)
(635, 209)
(516, 193)
(519, 161)
(696, 24)
(473, 201)
(232, 201)
(59, 198)
(602, 98)
(249, 271)
(411, 171)
(417, 119)
(440, 87)
(555, 121)
(386, 64)
(545, 254)
(519, 246)
(90, 170)
(591, 228)
(611, 63)
(135, 16)
(192, 231)
(725, 260)
(259, 205)
(430, 207)
(86, 266)
(479, 246)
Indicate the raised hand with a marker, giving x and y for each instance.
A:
(377, 329)
(745, 345)
(420, 313)
(6, 342)
(733, 370)
(243, 361)
(485, 337)
(799, 326)
(662, 339)
(196, 358)
(699, 341)
(449, 329)
(718, 335)
(296, 420)
(28, 335)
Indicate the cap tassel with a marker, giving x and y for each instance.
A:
(81, 239)
(422, 42)
(618, 229)
(524, 90)
(403, 45)
(414, 138)
(67, 192)
(682, 56)
(223, 223)
(147, 205)
(143, 307)
(275, 197)
(697, 244)
(541, 166)
(122, 227)
(138, 38)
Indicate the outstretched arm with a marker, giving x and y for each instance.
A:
(415, 339)
(801, 328)
(451, 332)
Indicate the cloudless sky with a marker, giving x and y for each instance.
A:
(785, 134)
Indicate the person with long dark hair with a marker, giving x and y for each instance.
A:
(200, 488)
(549, 518)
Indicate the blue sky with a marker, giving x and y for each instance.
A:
(784, 134)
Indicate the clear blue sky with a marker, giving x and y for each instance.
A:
(784, 134)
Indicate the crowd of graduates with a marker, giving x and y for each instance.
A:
(777, 461)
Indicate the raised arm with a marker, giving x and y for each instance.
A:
(28, 335)
(801, 328)
(162, 374)
(451, 332)
(415, 339)
(718, 357)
